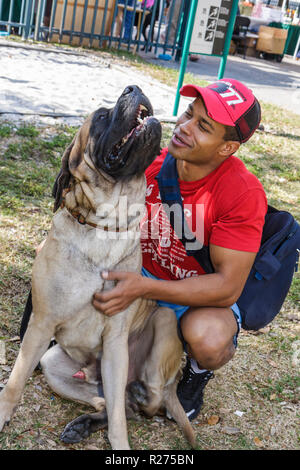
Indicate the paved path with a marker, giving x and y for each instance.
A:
(272, 82)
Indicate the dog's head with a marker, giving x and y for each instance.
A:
(121, 142)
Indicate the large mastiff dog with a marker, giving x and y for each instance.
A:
(104, 164)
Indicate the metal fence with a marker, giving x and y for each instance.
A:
(129, 24)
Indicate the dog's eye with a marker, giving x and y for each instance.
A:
(102, 116)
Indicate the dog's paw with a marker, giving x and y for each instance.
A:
(83, 426)
(5, 414)
(77, 430)
(4, 422)
(137, 393)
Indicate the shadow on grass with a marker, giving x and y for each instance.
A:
(283, 134)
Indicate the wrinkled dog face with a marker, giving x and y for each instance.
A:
(122, 142)
(126, 139)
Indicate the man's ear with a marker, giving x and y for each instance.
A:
(229, 148)
(63, 178)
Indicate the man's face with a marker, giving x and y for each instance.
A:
(196, 138)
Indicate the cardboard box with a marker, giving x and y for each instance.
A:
(251, 52)
(271, 40)
(251, 41)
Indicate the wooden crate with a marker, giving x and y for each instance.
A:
(79, 18)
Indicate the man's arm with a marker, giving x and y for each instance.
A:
(220, 289)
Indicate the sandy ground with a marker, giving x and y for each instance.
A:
(35, 82)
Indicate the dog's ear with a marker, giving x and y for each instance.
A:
(63, 178)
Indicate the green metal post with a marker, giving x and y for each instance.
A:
(185, 52)
(27, 19)
(38, 20)
(229, 32)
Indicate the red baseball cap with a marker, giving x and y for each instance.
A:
(229, 102)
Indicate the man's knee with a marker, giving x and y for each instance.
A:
(209, 340)
(212, 352)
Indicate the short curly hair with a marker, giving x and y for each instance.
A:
(231, 134)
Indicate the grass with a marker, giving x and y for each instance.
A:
(262, 380)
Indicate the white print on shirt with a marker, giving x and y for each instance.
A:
(164, 262)
(163, 243)
(149, 190)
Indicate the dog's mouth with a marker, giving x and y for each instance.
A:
(117, 157)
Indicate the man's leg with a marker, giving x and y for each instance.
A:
(210, 335)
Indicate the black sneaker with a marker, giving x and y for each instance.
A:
(190, 390)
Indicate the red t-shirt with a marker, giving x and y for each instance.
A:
(225, 208)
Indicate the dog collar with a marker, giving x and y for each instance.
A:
(82, 220)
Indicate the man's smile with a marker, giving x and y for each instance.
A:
(179, 141)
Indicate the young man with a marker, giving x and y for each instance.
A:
(217, 189)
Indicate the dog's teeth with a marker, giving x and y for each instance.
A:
(124, 140)
(143, 108)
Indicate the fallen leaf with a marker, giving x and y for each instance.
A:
(224, 410)
(230, 430)
(213, 419)
(52, 443)
(273, 396)
(14, 339)
(258, 442)
(272, 363)
(293, 317)
(2, 352)
(91, 447)
(264, 330)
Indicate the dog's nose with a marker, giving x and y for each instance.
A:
(130, 89)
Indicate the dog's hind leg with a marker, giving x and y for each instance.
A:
(59, 368)
(160, 372)
(163, 361)
(177, 412)
(34, 344)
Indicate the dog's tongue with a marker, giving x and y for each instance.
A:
(79, 375)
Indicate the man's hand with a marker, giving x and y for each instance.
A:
(219, 289)
(130, 286)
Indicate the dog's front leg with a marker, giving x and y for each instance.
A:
(114, 368)
(35, 343)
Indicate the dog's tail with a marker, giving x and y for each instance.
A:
(174, 408)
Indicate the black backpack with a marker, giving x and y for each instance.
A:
(271, 275)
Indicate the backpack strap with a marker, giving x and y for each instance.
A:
(170, 195)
